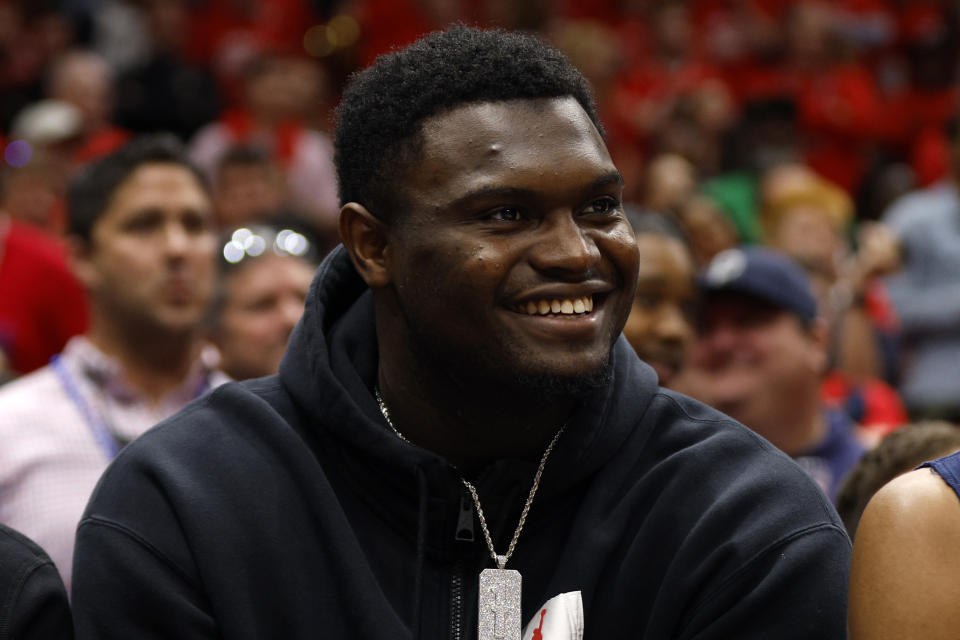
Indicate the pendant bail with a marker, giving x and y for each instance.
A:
(501, 561)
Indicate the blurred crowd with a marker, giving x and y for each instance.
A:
(790, 171)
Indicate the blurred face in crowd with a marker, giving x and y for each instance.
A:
(805, 234)
(514, 252)
(247, 193)
(808, 32)
(660, 326)
(31, 193)
(169, 24)
(84, 80)
(263, 300)
(150, 260)
(671, 180)
(784, 179)
(709, 230)
(672, 29)
(760, 364)
(282, 88)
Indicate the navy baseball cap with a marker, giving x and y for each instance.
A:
(763, 274)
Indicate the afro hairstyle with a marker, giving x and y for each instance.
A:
(378, 132)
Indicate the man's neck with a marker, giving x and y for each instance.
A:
(468, 425)
(153, 366)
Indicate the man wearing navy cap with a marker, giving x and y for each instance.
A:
(761, 354)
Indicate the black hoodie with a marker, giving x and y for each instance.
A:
(285, 507)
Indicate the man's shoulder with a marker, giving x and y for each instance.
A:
(725, 510)
(211, 429)
(18, 551)
(692, 426)
(928, 204)
(711, 458)
(236, 430)
(229, 407)
(33, 602)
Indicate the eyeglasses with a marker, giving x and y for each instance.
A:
(251, 243)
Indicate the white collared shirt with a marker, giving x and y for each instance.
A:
(50, 460)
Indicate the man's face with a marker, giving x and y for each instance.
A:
(513, 262)
(805, 234)
(757, 360)
(150, 260)
(264, 301)
(660, 326)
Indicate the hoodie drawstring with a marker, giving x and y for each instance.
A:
(421, 549)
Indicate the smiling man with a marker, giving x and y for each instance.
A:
(458, 443)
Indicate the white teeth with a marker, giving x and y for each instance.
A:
(567, 306)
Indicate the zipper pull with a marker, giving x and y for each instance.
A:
(464, 531)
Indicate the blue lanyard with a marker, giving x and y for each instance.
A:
(95, 423)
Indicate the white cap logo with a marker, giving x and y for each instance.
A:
(726, 266)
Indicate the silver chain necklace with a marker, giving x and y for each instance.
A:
(499, 615)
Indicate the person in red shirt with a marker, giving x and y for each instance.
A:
(42, 304)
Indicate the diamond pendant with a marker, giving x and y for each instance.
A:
(499, 614)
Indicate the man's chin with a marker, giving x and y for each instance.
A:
(553, 385)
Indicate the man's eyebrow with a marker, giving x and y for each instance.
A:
(494, 192)
(520, 193)
(612, 178)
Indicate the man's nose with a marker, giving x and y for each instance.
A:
(176, 239)
(564, 246)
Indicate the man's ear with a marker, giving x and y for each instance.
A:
(80, 257)
(365, 238)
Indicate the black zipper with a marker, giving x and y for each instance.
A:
(462, 536)
(456, 602)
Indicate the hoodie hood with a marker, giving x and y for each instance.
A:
(331, 365)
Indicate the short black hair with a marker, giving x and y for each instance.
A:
(379, 119)
(90, 192)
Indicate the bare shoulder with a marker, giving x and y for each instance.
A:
(905, 578)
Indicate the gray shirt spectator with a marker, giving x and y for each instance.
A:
(926, 295)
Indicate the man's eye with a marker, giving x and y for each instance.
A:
(142, 225)
(602, 206)
(506, 214)
(195, 223)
